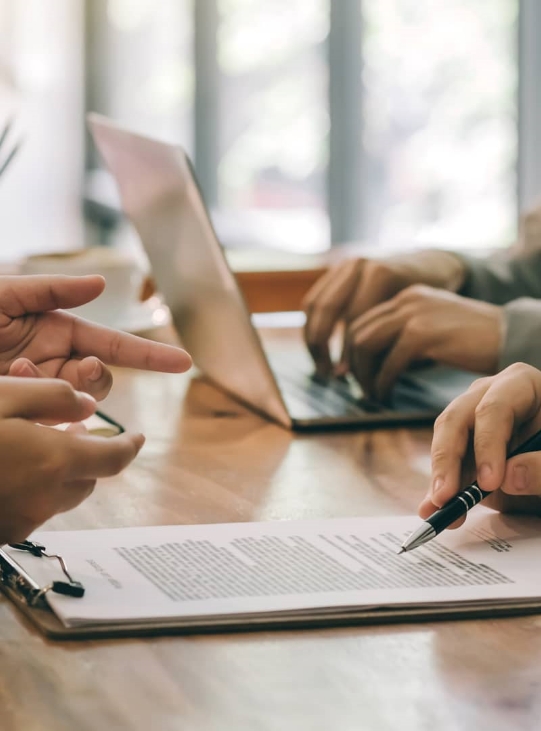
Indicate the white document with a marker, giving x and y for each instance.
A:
(283, 568)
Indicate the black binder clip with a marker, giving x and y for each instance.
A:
(68, 588)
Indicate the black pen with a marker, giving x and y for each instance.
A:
(110, 420)
(458, 506)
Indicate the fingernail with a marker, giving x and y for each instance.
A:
(485, 472)
(97, 372)
(25, 369)
(86, 398)
(437, 485)
(426, 505)
(520, 478)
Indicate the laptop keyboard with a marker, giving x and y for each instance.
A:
(310, 396)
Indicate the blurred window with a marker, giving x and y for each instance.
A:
(440, 133)
(41, 91)
(142, 70)
(391, 122)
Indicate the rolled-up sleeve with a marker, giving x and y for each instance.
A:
(521, 339)
(501, 281)
(516, 285)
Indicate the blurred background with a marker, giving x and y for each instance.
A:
(310, 122)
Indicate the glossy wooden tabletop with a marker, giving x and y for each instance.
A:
(207, 459)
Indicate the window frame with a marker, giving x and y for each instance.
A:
(529, 104)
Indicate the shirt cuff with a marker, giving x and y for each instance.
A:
(521, 336)
(490, 280)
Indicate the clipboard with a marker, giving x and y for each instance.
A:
(31, 600)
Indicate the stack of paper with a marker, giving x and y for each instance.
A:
(197, 574)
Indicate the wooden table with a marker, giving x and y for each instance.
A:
(207, 459)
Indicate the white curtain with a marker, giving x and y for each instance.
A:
(41, 85)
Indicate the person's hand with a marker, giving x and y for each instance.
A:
(46, 471)
(421, 324)
(352, 288)
(38, 339)
(494, 414)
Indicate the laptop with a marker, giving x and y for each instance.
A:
(162, 199)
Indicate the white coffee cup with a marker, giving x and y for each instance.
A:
(123, 273)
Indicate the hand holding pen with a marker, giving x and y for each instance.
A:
(493, 409)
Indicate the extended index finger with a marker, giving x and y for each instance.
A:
(123, 349)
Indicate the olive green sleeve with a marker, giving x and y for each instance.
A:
(502, 280)
(521, 341)
(514, 284)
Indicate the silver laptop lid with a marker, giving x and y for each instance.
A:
(160, 196)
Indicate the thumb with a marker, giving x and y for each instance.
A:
(523, 475)
(43, 399)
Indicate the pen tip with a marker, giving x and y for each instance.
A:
(402, 550)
